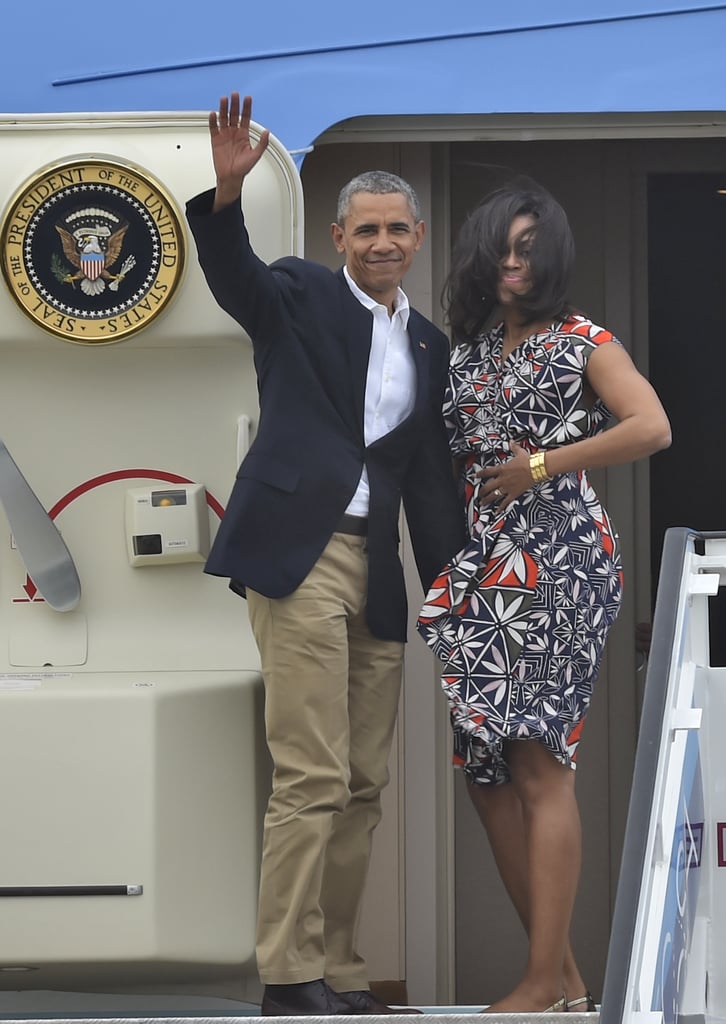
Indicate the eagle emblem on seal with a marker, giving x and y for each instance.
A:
(92, 240)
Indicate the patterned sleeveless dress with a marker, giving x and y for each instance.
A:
(519, 617)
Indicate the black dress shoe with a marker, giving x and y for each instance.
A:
(363, 1001)
(306, 999)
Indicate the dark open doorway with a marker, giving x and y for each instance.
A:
(687, 316)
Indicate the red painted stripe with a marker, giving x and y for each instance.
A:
(129, 474)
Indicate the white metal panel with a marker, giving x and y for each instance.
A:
(142, 779)
(131, 737)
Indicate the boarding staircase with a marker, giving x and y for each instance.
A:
(667, 952)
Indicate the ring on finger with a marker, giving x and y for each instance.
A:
(498, 492)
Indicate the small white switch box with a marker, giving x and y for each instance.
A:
(167, 524)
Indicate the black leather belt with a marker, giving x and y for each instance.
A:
(356, 525)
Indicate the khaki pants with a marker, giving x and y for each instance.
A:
(331, 696)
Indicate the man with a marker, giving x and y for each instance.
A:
(351, 385)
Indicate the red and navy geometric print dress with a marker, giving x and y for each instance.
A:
(520, 616)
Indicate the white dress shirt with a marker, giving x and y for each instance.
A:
(390, 381)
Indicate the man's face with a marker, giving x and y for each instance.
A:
(379, 238)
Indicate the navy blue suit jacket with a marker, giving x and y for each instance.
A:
(311, 339)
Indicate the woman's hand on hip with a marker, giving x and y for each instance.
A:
(503, 484)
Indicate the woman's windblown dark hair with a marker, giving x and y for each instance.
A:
(470, 293)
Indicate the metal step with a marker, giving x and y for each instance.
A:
(448, 1015)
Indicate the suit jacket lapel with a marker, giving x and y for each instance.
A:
(419, 338)
(357, 326)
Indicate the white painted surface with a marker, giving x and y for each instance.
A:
(131, 738)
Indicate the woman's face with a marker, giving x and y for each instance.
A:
(514, 277)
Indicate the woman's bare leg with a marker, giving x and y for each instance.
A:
(533, 827)
(500, 812)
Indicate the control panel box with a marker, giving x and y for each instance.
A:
(167, 524)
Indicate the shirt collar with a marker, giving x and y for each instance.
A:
(400, 302)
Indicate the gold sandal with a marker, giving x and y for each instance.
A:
(586, 1002)
(559, 1007)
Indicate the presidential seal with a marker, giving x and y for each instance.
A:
(92, 249)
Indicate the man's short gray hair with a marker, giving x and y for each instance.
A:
(379, 183)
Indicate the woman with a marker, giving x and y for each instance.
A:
(521, 614)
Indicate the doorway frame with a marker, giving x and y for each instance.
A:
(429, 817)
